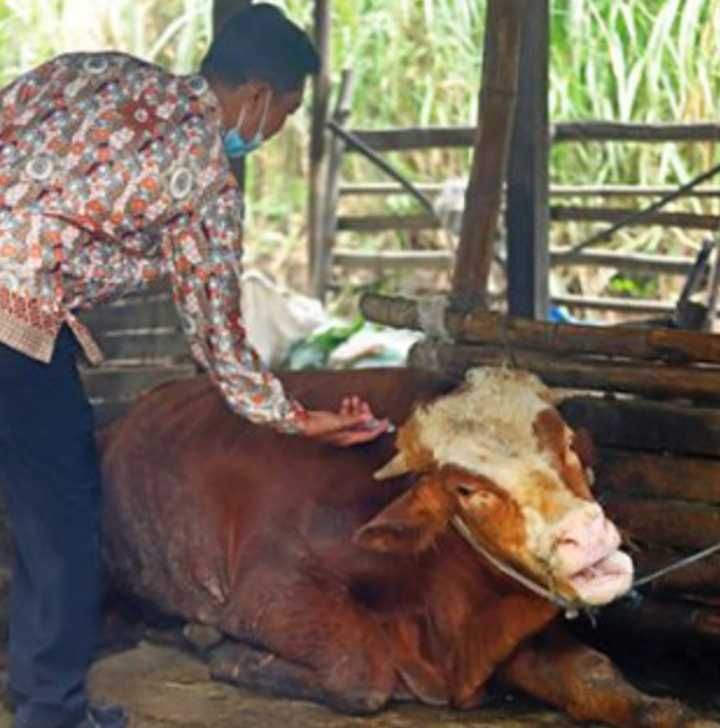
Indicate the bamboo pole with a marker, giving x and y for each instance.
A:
(328, 230)
(488, 328)
(597, 375)
(318, 146)
(497, 101)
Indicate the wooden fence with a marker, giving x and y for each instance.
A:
(418, 139)
(144, 345)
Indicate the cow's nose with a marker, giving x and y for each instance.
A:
(582, 538)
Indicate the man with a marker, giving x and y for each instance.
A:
(114, 173)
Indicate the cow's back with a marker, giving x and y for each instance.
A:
(198, 498)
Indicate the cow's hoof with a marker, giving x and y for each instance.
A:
(366, 702)
(165, 637)
(662, 713)
(201, 637)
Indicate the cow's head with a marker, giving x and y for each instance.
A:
(497, 455)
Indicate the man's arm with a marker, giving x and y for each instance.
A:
(203, 255)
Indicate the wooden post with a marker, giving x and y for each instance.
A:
(501, 60)
(528, 186)
(329, 204)
(223, 10)
(320, 110)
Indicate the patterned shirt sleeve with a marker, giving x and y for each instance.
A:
(203, 254)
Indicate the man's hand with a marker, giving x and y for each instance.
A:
(354, 424)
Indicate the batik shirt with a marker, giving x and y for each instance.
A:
(113, 175)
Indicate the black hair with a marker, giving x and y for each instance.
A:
(261, 44)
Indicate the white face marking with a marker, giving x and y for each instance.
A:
(487, 429)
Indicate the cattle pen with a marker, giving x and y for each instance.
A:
(648, 394)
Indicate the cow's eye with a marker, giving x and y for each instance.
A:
(465, 491)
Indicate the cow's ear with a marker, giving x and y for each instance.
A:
(584, 447)
(412, 522)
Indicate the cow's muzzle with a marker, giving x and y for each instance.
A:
(585, 554)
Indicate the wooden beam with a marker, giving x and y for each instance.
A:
(608, 131)
(488, 328)
(416, 138)
(392, 260)
(526, 212)
(636, 262)
(686, 220)
(329, 227)
(636, 474)
(650, 380)
(435, 188)
(483, 198)
(665, 522)
(443, 259)
(702, 577)
(462, 137)
(223, 10)
(619, 305)
(659, 621)
(318, 138)
(379, 223)
(649, 426)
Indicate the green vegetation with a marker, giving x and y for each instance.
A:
(417, 62)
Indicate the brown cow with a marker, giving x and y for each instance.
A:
(341, 589)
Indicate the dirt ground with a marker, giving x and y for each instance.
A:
(164, 688)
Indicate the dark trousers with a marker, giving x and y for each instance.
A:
(49, 469)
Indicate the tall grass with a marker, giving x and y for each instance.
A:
(417, 62)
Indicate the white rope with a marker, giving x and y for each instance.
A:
(699, 556)
(571, 609)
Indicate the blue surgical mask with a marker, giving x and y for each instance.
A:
(237, 147)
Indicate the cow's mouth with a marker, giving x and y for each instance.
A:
(603, 581)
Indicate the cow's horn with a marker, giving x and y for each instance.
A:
(395, 468)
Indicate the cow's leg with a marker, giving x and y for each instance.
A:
(248, 667)
(316, 625)
(559, 670)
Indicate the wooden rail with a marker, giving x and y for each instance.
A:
(383, 189)
(443, 259)
(144, 345)
(416, 138)
(558, 213)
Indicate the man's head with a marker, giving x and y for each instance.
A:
(257, 66)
